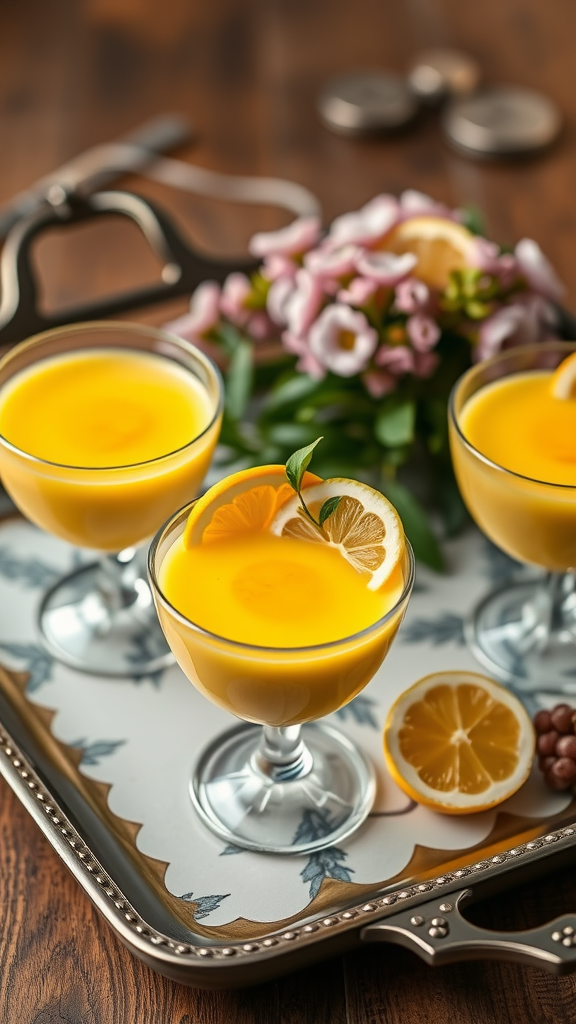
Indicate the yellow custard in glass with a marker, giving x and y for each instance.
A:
(100, 443)
(519, 424)
(272, 591)
(274, 629)
(524, 498)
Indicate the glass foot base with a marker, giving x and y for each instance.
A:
(91, 623)
(320, 801)
(525, 639)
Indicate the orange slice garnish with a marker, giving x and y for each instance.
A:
(440, 246)
(458, 742)
(243, 502)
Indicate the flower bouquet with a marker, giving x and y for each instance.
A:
(358, 334)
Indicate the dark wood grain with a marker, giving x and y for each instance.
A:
(77, 72)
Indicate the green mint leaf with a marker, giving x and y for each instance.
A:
(239, 379)
(298, 464)
(395, 423)
(329, 506)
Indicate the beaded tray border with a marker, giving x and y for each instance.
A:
(218, 965)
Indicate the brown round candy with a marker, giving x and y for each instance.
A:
(562, 774)
(542, 721)
(562, 718)
(566, 746)
(546, 743)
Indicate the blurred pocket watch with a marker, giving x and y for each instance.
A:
(500, 121)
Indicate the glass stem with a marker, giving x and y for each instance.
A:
(116, 578)
(118, 587)
(552, 611)
(282, 754)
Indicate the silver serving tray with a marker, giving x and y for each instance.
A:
(420, 907)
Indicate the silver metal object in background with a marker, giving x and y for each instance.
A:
(367, 102)
(436, 74)
(502, 121)
(143, 145)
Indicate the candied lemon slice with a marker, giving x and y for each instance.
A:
(365, 526)
(440, 246)
(458, 742)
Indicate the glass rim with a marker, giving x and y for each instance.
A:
(127, 327)
(543, 346)
(239, 644)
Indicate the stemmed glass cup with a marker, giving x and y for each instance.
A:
(280, 781)
(525, 631)
(100, 618)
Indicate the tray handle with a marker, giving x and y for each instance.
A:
(182, 267)
(439, 933)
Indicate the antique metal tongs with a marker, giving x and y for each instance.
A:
(67, 198)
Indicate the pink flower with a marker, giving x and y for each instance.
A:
(425, 363)
(486, 256)
(259, 326)
(307, 362)
(398, 359)
(293, 240)
(342, 340)
(358, 292)
(234, 306)
(277, 298)
(379, 382)
(203, 316)
(332, 262)
(303, 305)
(385, 268)
(418, 204)
(412, 295)
(523, 322)
(237, 289)
(277, 266)
(422, 331)
(367, 225)
(537, 270)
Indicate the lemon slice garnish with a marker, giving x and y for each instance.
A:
(365, 527)
(440, 246)
(458, 742)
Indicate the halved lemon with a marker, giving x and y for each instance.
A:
(245, 501)
(365, 527)
(563, 383)
(440, 246)
(458, 742)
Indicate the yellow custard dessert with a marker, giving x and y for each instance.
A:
(273, 623)
(99, 442)
(518, 478)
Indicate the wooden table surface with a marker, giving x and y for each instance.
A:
(74, 73)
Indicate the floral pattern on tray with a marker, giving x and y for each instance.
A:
(142, 735)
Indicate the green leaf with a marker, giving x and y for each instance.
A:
(290, 392)
(394, 425)
(239, 380)
(238, 436)
(472, 218)
(290, 435)
(416, 525)
(477, 310)
(228, 336)
(450, 504)
(298, 464)
(329, 506)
